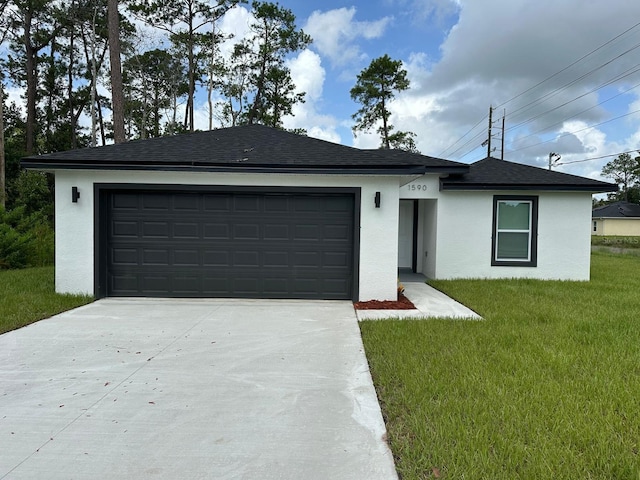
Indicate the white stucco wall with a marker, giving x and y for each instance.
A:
(428, 229)
(465, 229)
(459, 230)
(75, 223)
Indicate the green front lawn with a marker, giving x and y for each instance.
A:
(548, 386)
(27, 295)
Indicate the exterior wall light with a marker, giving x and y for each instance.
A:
(377, 199)
(75, 194)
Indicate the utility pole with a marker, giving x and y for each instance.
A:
(489, 138)
(553, 159)
(504, 114)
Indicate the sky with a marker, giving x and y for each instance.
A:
(566, 74)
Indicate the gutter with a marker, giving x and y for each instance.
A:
(239, 168)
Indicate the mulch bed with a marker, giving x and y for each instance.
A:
(403, 303)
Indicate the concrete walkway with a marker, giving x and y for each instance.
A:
(429, 302)
(191, 389)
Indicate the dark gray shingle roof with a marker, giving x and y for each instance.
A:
(243, 148)
(617, 210)
(494, 174)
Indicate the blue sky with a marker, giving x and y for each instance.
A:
(524, 57)
(465, 55)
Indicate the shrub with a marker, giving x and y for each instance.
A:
(25, 240)
(15, 248)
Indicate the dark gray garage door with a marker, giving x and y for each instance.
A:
(224, 244)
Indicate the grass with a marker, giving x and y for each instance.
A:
(548, 386)
(616, 241)
(28, 295)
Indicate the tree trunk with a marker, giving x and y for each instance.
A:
(72, 117)
(385, 127)
(117, 90)
(32, 90)
(94, 73)
(189, 118)
(2, 159)
(103, 135)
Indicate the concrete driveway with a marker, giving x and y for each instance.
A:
(191, 389)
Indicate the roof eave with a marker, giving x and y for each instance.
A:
(244, 168)
(528, 187)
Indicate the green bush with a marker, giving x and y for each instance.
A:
(33, 193)
(15, 248)
(25, 239)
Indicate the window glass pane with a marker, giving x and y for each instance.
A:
(513, 246)
(513, 215)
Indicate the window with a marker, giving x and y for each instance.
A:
(515, 231)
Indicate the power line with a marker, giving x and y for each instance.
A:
(523, 108)
(577, 131)
(571, 65)
(460, 139)
(597, 158)
(475, 138)
(565, 86)
(574, 115)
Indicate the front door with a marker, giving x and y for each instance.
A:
(405, 234)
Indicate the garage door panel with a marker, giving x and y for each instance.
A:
(186, 230)
(276, 204)
(276, 232)
(155, 256)
(215, 258)
(307, 233)
(125, 201)
(217, 203)
(246, 259)
(217, 231)
(336, 233)
(186, 258)
(186, 202)
(125, 228)
(230, 245)
(245, 231)
(156, 202)
(336, 260)
(155, 229)
(246, 203)
(124, 256)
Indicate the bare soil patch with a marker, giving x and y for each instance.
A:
(403, 303)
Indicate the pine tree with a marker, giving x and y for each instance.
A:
(375, 88)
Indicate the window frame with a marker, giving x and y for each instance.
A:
(532, 261)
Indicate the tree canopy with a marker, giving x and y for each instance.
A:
(375, 88)
(64, 55)
(625, 171)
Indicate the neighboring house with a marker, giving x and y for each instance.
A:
(619, 218)
(256, 212)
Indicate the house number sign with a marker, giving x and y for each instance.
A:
(417, 187)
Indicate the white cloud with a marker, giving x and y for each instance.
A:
(308, 76)
(14, 95)
(236, 23)
(335, 33)
(498, 50)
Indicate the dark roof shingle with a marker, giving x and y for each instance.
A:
(493, 174)
(242, 148)
(617, 210)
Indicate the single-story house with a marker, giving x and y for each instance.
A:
(258, 212)
(619, 218)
